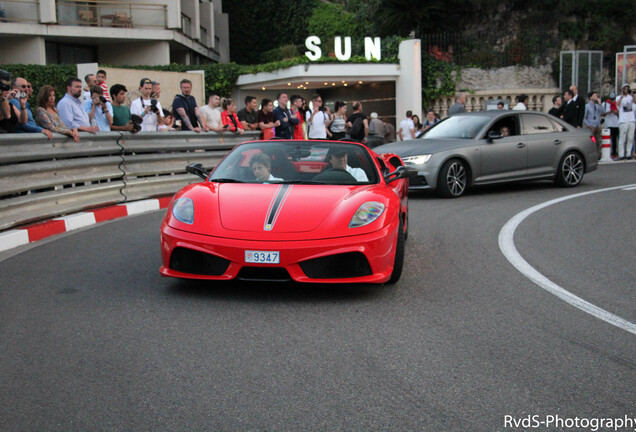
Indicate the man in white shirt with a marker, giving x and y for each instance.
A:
(211, 115)
(318, 120)
(522, 103)
(151, 113)
(340, 161)
(407, 127)
(610, 115)
(91, 80)
(626, 122)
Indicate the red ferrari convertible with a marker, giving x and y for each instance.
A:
(308, 211)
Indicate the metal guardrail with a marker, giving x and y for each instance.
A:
(41, 178)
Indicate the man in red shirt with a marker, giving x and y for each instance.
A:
(296, 103)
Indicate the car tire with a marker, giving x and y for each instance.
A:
(571, 169)
(406, 224)
(453, 179)
(398, 263)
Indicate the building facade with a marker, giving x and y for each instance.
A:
(132, 32)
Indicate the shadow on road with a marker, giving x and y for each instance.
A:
(507, 188)
(279, 292)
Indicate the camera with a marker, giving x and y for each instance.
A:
(322, 108)
(102, 99)
(136, 121)
(153, 106)
(5, 80)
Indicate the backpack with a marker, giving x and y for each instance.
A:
(357, 128)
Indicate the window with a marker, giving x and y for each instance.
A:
(507, 126)
(537, 124)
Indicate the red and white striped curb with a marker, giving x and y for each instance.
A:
(22, 236)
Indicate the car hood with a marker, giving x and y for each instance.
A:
(415, 147)
(277, 208)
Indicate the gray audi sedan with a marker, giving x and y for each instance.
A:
(487, 147)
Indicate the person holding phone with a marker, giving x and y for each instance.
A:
(22, 110)
(626, 122)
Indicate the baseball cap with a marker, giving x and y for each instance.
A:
(144, 81)
(625, 85)
(612, 95)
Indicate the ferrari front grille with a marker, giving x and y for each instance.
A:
(265, 274)
(340, 266)
(200, 263)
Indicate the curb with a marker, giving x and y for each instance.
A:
(32, 233)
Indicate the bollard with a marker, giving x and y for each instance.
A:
(606, 148)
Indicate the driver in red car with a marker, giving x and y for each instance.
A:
(339, 161)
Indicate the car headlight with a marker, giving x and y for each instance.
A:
(183, 210)
(417, 160)
(366, 213)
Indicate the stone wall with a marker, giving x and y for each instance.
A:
(512, 77)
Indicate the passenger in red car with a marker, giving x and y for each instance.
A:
(261, 165)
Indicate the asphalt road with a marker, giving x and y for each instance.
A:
(93, 339)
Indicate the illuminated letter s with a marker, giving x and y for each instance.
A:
(313, 45)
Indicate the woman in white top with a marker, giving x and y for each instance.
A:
(338, 125)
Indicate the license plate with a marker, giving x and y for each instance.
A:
(262, 257)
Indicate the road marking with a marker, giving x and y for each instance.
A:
(629, 188)
(507, 246)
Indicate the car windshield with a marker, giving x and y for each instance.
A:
(304, 162)
(458, 127)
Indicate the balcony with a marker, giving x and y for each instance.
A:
(22, 11)
(111, 14)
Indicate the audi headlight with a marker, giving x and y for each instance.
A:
(417, 160)
(366, 213)
(183, 210)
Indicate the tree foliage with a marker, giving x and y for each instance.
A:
(257, 26)
(329, 20)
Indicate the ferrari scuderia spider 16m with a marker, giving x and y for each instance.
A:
(308, 211)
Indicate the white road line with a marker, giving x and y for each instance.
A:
(629, 188)
(507, 246)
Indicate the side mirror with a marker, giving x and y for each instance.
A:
(399, 173)
(198, 170)
(493, 135)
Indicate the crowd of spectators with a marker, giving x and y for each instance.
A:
(92, 106)
(615, 114)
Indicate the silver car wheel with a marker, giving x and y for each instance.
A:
(572, 169)
(456, 179)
